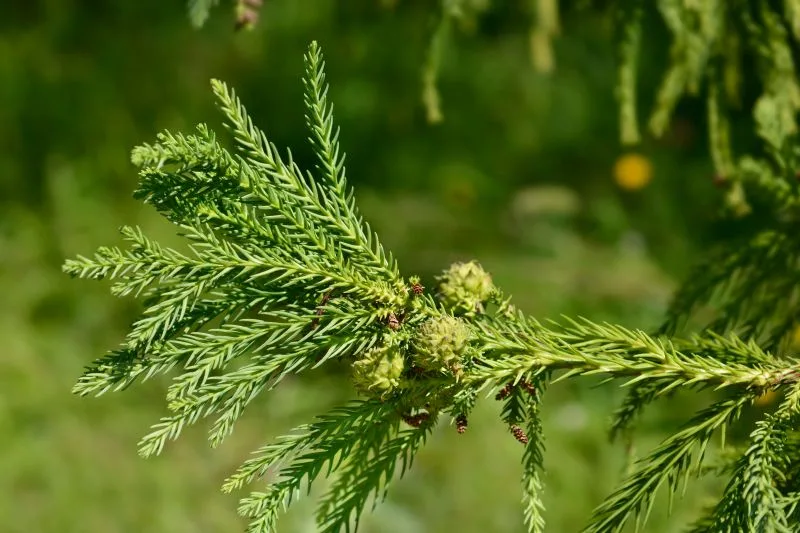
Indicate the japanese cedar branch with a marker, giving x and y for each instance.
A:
(281, 274)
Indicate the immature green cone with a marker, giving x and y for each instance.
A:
(378, 371)
(464, 287)
(440, 344)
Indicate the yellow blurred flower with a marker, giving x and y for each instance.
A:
(632, 172)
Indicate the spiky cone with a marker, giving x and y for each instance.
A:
(440, 344)
(465, 287)
(378, 372)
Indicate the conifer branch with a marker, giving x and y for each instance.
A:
(753, 500)
(670, 463)
(525, 347)
(281, 274)
(533, 460)
(367, 473)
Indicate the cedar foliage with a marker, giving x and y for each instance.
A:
(282, 275)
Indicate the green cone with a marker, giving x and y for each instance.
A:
(464, 287)
(440, 343)
(379, 371)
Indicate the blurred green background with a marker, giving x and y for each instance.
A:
(525, 174)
